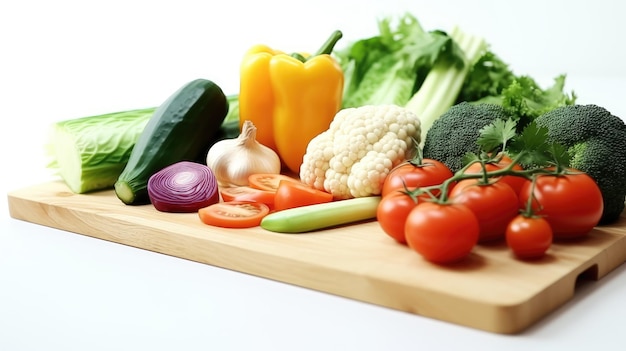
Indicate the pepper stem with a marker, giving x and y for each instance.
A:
(330, 43)
(326, 48)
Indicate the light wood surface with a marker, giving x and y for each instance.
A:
(491, 290)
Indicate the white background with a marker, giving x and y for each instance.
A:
(66, 59)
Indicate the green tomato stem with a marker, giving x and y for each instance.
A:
(485, 176)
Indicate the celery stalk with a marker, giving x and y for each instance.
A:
(313, 217)
(444, 82)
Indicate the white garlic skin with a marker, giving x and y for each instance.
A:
(234, 160)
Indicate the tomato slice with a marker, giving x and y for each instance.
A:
(246, 193)
(268, 181)
(296, 194)
(234, 214)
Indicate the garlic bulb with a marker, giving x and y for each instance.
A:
(233, 160)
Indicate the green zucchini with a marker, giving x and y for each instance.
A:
(181, 129)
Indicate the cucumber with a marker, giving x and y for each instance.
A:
(319, 216)
(181, 129)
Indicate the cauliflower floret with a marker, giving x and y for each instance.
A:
(359, 149)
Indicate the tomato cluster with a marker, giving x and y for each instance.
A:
(396, 203)
(442, 216)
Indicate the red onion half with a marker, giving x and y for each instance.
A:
(183, 187)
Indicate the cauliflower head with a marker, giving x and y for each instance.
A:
(359, 149)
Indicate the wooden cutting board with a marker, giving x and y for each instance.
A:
(491, 290)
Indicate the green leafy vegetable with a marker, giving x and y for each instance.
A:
(391, 67)
(497, 134)
(525, 99)
(89, 153)
(444, 81)
(492, 81)
(429, 71)
(532, 148)
(488, 77)
(408, 66)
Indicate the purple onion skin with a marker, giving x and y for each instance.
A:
(183, 187)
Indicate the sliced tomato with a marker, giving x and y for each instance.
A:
(246, 193)
(268, 181)
(296, 194)
(234, 214)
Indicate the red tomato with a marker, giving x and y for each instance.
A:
(529, 237)
(392, 212)
(246, 193)
(296, 194)
(494, 204)
(441, 233)
(571, 203)
(234, 214)
(515, 182)
(268, 181)
(431, 172)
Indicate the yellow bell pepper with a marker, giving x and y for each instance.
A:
(289, 98)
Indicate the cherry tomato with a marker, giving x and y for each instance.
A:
(571, 203)
(234, 214)
(431, 172)
(246, 193)
(296, 194)
(494, 204)
(268, 181)
(441, 233)
(529, 237)
(515, 182)
(392, 212)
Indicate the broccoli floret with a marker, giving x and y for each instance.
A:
(454, 133)
(596, 142)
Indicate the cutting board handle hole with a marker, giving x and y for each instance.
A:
(587, 276)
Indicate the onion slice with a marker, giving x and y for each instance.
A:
(183, 187)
